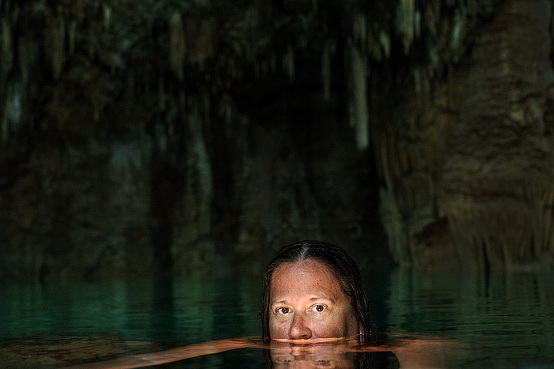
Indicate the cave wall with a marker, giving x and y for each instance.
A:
(142, 137)
(468, 165)
(501, 210)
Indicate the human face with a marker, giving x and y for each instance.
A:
(307, 302)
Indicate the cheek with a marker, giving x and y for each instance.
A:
(336, 326)
(327, 330)
(278, 329)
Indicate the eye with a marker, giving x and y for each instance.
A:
(282, 310)
(319, 308)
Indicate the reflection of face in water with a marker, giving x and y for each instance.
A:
(318, 355)
(307, 302)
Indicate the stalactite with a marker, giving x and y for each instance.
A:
(288, 62)
(257, 71)
(273, 62)
(12, 112)
(432, 17)
(425, 189)
(27, 54)
(5, 127)
(544, 208)
(548, 221)
(435, 61)
(226, 108)
(385, 161)
(403, 158)
(417, 79)
(107, 16)
(395, 229)
(199, 182)
(206, 105)
(326, 69)
(359, 118)
(384, 39)
(405, 22)
(505, 233)
(6, 52)
(417, 24)
(455, 39)
(200, 36)
(177, 45)
(71, 37)
(372, 47)
(54, 44)
(162, 95)
(359, 30)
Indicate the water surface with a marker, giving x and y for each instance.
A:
(504, 321)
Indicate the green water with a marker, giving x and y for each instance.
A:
(174, 312)
(503, 321)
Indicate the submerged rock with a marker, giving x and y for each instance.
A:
(63, 351)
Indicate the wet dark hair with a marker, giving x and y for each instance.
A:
(341, 264)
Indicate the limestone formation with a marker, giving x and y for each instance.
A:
(141, 137)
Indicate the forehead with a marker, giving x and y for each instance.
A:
(307, 276)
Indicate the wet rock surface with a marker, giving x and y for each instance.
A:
(158, 137)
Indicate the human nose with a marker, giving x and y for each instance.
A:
(298, 328)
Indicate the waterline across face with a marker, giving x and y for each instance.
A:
(307, 303)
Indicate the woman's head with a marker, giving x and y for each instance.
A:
(313, 289)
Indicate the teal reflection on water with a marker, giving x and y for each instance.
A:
(178, 311)
(502, 321)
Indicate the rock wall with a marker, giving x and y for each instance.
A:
(155, 136)
(468, 166)
(498, 174)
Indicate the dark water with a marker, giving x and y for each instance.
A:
(501, 322)
(507, 321)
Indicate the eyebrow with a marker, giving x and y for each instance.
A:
(315, 298)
